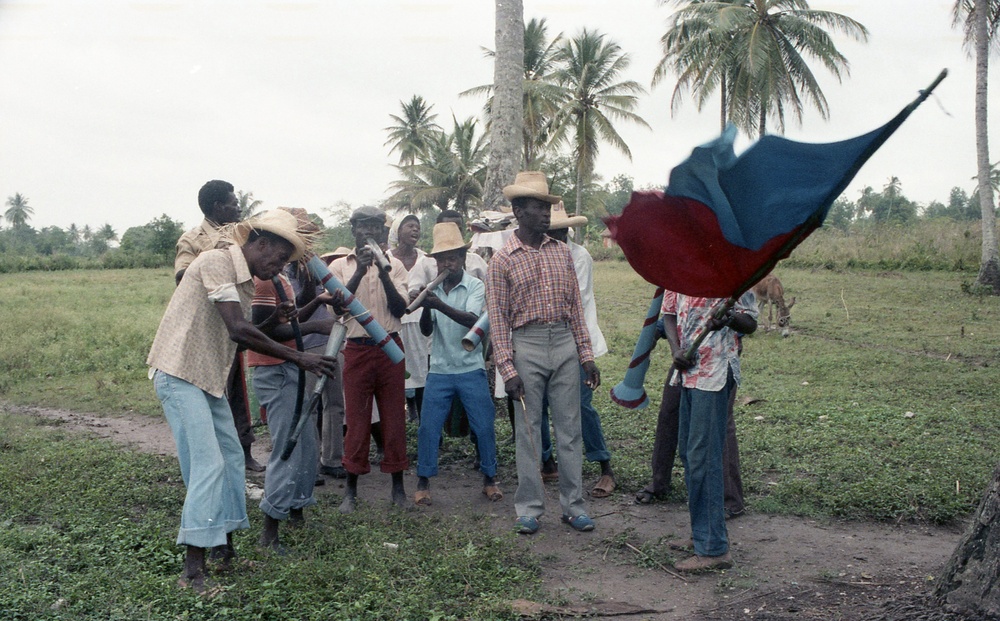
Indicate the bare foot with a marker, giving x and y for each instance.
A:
(349, 505)
(399, 498)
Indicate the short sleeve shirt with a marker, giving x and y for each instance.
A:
(719, 352)
(206, 236)
(192, 342)
(371, 293)
(448, 357)
(266, 295)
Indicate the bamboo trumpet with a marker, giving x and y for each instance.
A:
(417, 301)
(380, 258)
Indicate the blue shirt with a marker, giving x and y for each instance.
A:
(448, 357)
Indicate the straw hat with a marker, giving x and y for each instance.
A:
(447, 237)
(561, 220)
(530, 184)
(277, 221)
(305, 224)
(341, 251)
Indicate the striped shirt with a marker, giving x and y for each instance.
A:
(529, 286)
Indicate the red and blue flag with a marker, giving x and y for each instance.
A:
(725, 221)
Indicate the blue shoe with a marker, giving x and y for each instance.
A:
(526, 525)
(581, 523)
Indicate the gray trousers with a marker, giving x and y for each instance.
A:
(332, 412)
(546, 359)
(289, 483)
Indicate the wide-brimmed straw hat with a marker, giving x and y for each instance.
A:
(277, 221)
(305, 224)
(447, 236)
(341, 251)
(530, 184)
(562, 220)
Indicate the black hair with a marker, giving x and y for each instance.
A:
(215, 191)
(449, 214)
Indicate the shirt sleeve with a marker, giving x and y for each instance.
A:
(498, 307)
(477, 297)
(186, 253)
(669, 306)
(748, 304)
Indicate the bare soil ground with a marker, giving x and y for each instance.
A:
(786, 567)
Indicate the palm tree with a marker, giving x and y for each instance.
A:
(541, 98)
(248, 205)
(450, 175)
(18, 213)
(755, 52)
(412, 131)
(506, 118)
(588, 71)
(980, 20)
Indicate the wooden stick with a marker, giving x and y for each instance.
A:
(656, 562)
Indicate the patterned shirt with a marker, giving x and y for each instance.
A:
(192, 342)
(371, 293)
(529, 286)
(719, 352)
(206, 236)
(265, 295)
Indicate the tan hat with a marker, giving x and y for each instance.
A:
(341, 251)
(447, 236)
(562, 220)
(305, 223)
(277, 221)
(530, 184)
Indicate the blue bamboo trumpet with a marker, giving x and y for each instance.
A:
(321, 272)
(629, 392)
(477, 333)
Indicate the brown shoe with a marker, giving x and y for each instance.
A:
(704, 563)
(681, 544)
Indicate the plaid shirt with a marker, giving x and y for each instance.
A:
(719, 351)
(529, 286)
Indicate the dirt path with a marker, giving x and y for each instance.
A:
(786, 567)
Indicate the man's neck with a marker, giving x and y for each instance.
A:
(530, 238)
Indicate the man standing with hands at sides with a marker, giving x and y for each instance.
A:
(368, 373)
(450, 310)
(218, 202)
(706, 381)
(205, 322)
(540, 340)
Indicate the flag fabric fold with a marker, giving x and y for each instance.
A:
(724, 221)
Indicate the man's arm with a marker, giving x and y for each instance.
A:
(498, 305)
(461, 317)
(244, 333)
(395, 288)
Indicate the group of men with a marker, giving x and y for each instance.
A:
(538, 293)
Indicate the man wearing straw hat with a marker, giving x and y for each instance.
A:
(217, 200)
(368, 373)
(206, 320)
(540, 340)
(594, 445)
(450, 309)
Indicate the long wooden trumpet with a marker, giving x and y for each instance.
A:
(380, 258)
(417, 301)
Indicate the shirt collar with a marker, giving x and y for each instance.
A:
(240, 263)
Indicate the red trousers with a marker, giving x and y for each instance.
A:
(368, 374)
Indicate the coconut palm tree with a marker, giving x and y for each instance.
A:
(450, 174)
(588, 73)
(18, 212)
(248, 205)
(412, 131)
(757, 53)
(980, 20)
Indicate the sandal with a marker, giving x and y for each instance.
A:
(604, 486)
(422, 497)
(492, 492)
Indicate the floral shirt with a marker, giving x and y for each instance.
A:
(719, 352)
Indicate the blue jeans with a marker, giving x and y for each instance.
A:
(288, 483)
(594, 446)
(473, 390)
(701, 438)
(211, 460)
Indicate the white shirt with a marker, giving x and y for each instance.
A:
(583, 263)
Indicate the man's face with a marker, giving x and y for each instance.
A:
(409, 233)
(228, 211)
(453, 261)
(534, 215)
(367, 228)
(271, 257)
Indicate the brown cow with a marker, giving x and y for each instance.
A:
(769, 291)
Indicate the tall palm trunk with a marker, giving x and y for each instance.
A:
(989, 266)
(507, 128)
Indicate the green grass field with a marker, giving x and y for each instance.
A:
(880, 406)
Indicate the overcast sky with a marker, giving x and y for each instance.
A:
(117, 111)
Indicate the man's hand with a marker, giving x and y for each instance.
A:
(681, 361)
(337, 302)
(315, 363)
(365, 258)
(715, 323)
(432, 301)
(287, 310)
(514, 388)
(593, 375)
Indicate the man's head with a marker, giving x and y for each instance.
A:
(560, 222)
(218, 202)
(449, 249)
(367, 222)
(529, 196)
(408, 231)
(450, 215)
(269, 241)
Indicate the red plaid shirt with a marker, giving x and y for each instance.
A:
(529, 286)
